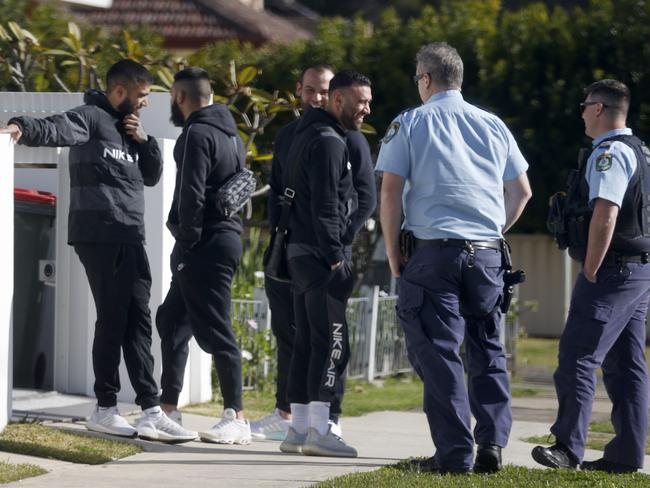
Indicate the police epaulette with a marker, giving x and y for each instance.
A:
(407, 110)
(605, 144)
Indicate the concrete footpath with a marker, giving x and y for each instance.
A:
(381, 438)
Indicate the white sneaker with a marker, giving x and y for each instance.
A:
(273, 427)
(162, 428)
(229, 430)
(335, 428)
(109, 421)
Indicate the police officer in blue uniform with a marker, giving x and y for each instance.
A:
(461, 180)
(606, 322)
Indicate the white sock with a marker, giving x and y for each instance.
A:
(300, 417)
(153, 411)
(319, 416)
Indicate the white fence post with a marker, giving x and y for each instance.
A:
(6, 298)
(372, 336)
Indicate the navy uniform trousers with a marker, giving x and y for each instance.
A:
(283, 325)
(606, 327)
(198, 304)
(447, 295)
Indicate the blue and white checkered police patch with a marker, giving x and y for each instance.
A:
(390, 133)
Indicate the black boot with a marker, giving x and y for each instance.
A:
(603, 464)
(556, 456)
(488, 459)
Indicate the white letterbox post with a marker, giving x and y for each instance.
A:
(7, 275)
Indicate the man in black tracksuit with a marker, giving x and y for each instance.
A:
(207, 252)
(313, 92)
(320, 221)
(111, 160)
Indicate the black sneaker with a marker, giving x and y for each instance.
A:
(603, 464)
(556, 456)
(488, 459)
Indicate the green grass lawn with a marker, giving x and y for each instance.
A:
(41, 441)
(540, 352)
(532, 351)
(13, 472)
(510, 477)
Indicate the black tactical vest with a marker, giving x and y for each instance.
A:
(570, 214)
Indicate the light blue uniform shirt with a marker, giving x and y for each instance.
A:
(454, 158)
(610, 167)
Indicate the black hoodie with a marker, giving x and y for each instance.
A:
(207, 154)
(108, 169)
(323, 205)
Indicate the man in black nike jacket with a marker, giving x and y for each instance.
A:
(111, 160)
(320, 220)
(207, 252)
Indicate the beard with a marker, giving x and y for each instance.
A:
(349, 119)
(126, 107)
(176, 117)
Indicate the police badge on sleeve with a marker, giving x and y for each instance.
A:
(390, 133)
(604, 162)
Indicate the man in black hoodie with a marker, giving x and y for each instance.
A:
(207, 252)
(111, 160)
(320, 220)
(313, 90)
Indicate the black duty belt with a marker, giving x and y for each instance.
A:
(616, 258)
(464, 243)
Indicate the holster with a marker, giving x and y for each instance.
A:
(510, 277)
(406, 244)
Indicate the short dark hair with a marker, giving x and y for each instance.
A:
(613, 94)
(319, 67)
(127, 72)
(195, 82)
(348, 78)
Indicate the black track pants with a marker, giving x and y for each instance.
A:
(283, 326)
(198, 304)
(321, 347)
(120, 281)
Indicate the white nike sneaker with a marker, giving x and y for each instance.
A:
(162, 428)
(273, 427)
(229, 430)
(109, 421)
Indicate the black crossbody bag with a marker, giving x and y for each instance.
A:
(275, 257)
(276, 265)
(237, 190)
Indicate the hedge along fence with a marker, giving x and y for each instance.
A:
(527, 65)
